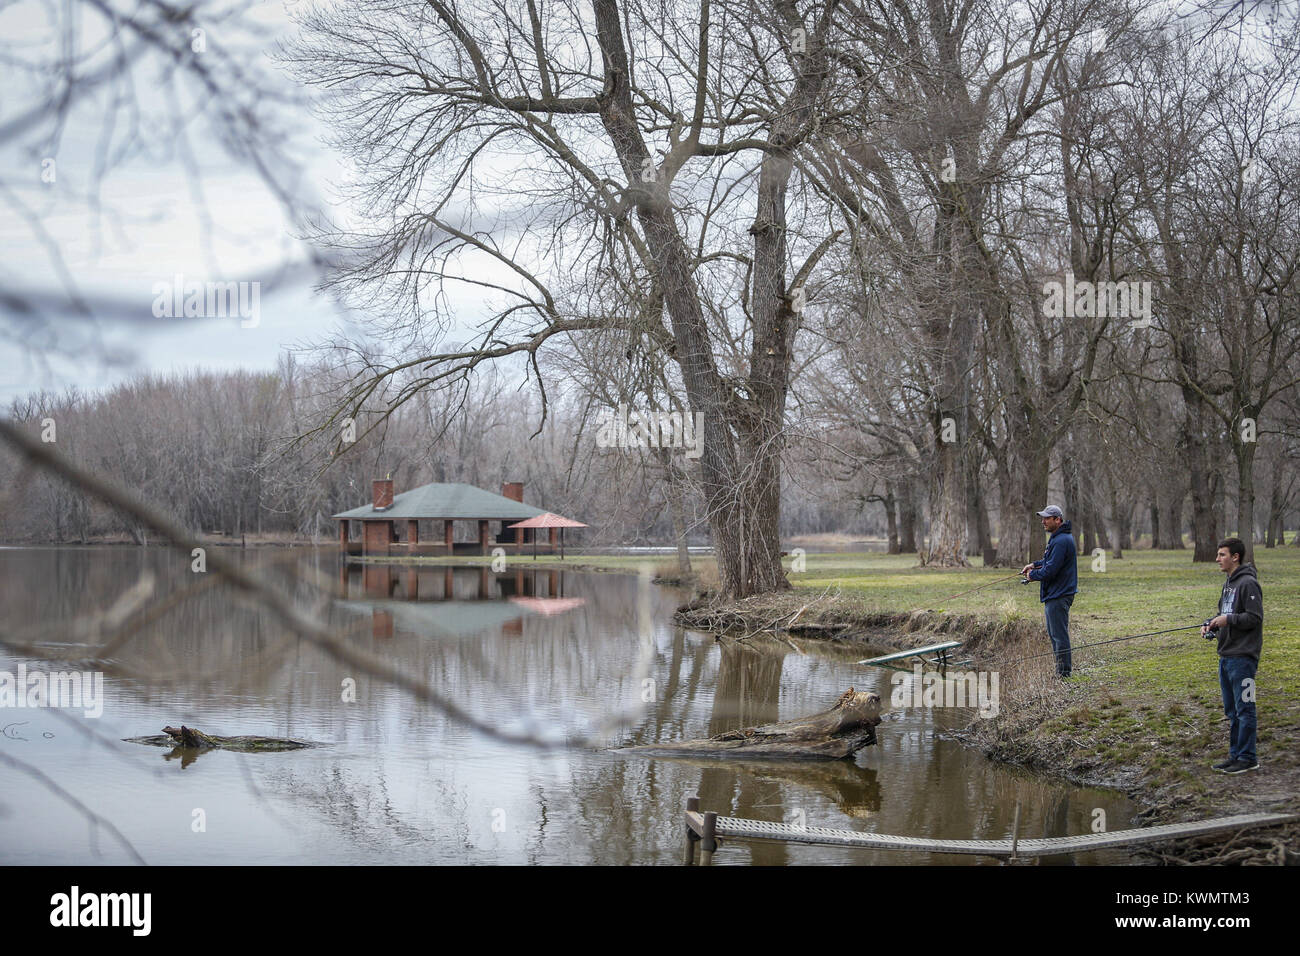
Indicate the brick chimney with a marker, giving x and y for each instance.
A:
(382, 493)
(514, 490)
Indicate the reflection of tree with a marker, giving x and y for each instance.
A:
(748, 691)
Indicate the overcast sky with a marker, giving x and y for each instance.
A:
(147, 226)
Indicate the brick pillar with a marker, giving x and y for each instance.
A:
(483, 535)
(555, 537)
(378, 536)
(343, 536)
(412, 534)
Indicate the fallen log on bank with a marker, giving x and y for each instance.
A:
(834, 734)
(197, 740)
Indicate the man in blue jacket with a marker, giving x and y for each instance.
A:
(1058, 577)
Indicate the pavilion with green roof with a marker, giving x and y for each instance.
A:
(390, 524)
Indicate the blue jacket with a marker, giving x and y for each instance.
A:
(1058, 572)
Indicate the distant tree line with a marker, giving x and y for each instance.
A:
(921, 268)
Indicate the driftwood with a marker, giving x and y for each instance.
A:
(190, 738)
(833, 734)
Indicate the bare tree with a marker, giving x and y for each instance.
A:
(645, 150)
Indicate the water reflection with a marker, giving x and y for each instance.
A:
(396, 781)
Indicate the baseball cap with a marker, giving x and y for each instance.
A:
(1051, 511)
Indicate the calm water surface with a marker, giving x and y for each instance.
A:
(396, 782)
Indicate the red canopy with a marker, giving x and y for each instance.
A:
(548, 520)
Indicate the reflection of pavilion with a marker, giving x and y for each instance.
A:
(548, 606)
(453, 602)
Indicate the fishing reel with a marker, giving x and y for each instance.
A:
(1212, 634)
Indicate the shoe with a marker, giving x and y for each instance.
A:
(1240, 766)
(1224, 765)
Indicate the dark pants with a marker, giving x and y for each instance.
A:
(1057, 611)
(1233, 673)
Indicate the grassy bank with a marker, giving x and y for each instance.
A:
(1144, 715)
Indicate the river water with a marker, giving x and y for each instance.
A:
(558, 654)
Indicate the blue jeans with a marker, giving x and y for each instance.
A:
(1057, 611)
(1233, 674)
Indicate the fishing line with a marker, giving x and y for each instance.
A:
(1076, 647)
(986, 584)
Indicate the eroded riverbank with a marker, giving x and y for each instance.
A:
(1094, 730)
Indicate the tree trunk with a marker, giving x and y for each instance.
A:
(743, 434)
(1073, 507)
(1125, 530)
(677, 511)
(1169, 500)
(907, 519)
(1119, 522)
(1023, 493)
(891, 520)
(1205, 525)
(1246, 496)
(978, 532)
(834, 734)
(947, 503)
(977, 516)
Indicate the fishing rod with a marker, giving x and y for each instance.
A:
(1131, 637)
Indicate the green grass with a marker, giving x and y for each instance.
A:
(1153, 700)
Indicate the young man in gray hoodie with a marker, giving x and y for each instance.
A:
(1239, 629)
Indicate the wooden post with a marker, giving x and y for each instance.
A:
(1015, 832)
(554, 535)
(692, 838)
(709, 840)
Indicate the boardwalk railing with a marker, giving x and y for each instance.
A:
(708, 829)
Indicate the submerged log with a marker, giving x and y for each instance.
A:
(833, 734)
(193, 739)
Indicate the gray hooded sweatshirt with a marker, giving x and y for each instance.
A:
(1243, 603)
